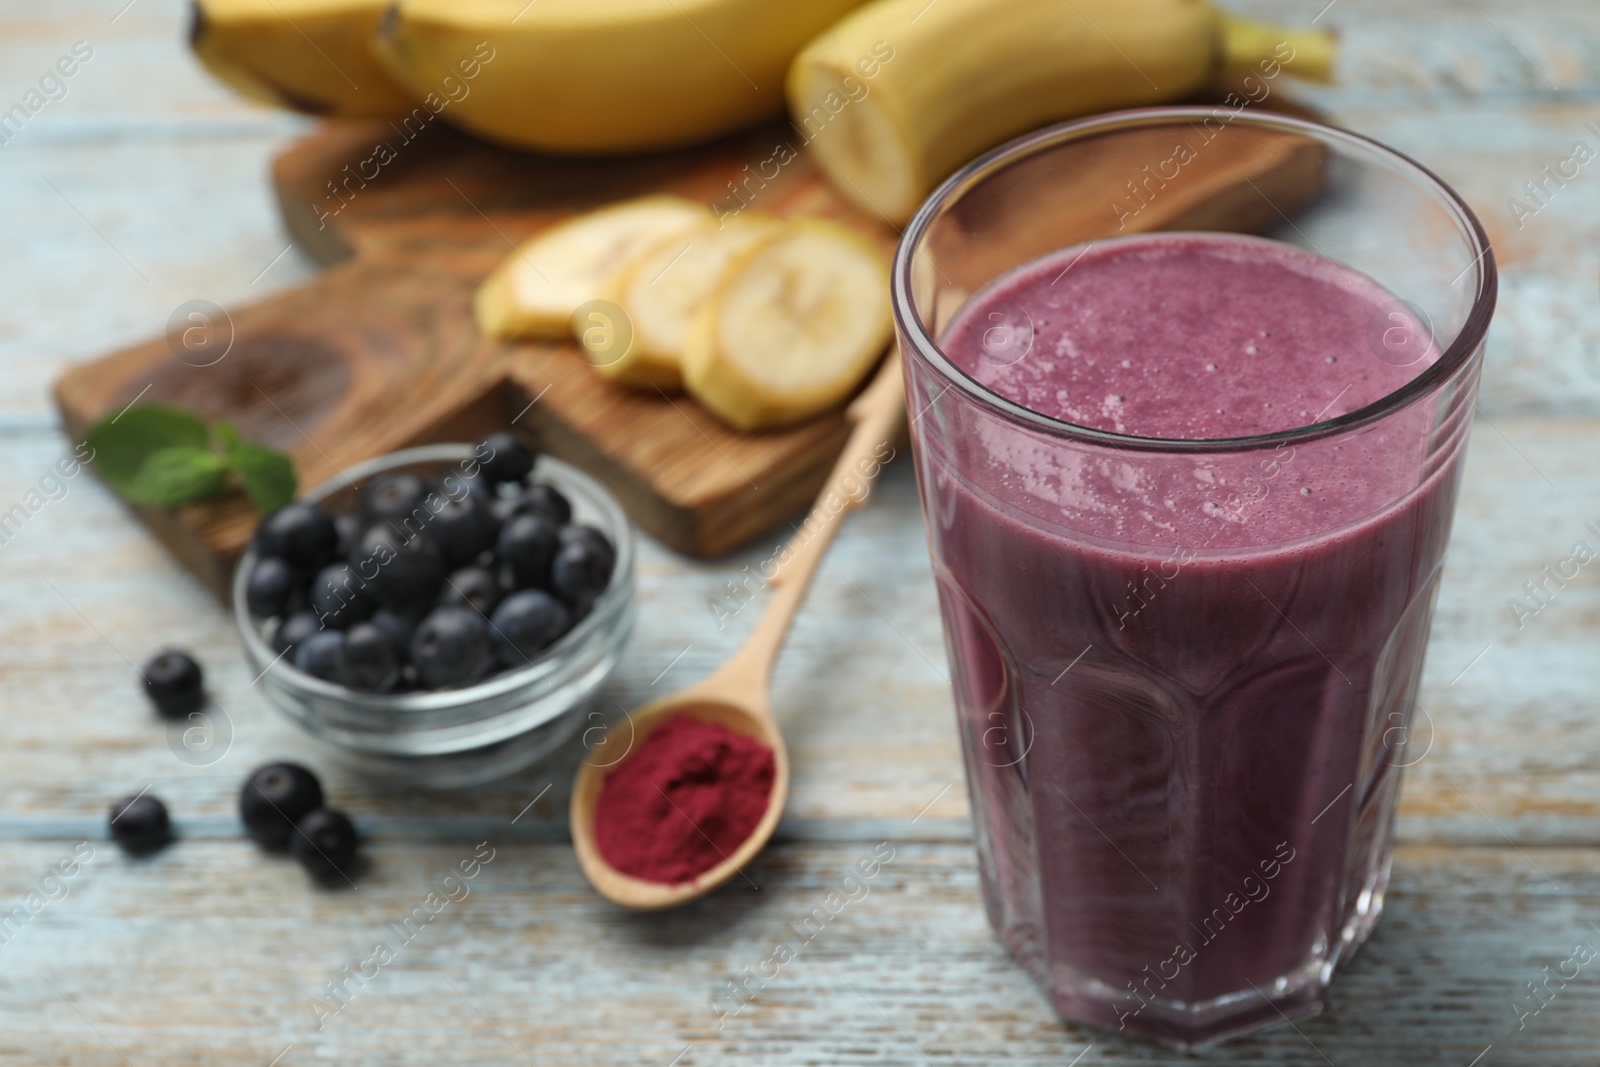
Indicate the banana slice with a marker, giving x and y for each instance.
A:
(796, 323)
(661, 290)
(535, 291)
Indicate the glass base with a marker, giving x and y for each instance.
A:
(1176, 1024)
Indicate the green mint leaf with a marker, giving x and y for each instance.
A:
(161, 457)
(122, 443)
(268, 477)
(177, 475)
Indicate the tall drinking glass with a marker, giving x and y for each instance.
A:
(1184, 664)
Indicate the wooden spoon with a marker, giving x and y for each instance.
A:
(736, 694)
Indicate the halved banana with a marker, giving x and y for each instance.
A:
(661, 290)
(536, 289)
(796, 323)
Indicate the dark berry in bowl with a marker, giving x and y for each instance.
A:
(324, 841)
(401, 571)
(463, 529)
(272, 583)
(580, 573)
(395, 497)
(274, 798)
(537, 499)
(450, 648)
(548, 501)
(479, 488)
(526, 623)
(528, 544)
(503, 457)
(302, 535)
(468, 708)
(349, 527)
(502, 570)
(505, 508)
(140, 824)
(293, 630)
(174, 683)
(322, 656)
(476, 588)
(397, 626)
(371, 663)
(588, 535)
(340, 598)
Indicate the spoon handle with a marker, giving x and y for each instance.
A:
(878, 415)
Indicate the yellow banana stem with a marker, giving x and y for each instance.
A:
(1247, 43)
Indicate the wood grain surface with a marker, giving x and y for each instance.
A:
(381, 352)
(524, 965)
(147, 186)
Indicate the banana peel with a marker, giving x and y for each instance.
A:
(606, 76)
(315, 56)
(959, 77)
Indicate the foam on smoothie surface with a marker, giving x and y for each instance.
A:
(1182, 336)
(1190, 336)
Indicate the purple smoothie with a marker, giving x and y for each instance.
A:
(1184, 679)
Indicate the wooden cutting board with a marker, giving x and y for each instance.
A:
(379, 351)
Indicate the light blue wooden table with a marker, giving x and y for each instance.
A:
(145, 186)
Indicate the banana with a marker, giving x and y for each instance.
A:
(536, 289)
(795, 324)
(314, 56)
(661, 291)
(583, 76)
(898, 94)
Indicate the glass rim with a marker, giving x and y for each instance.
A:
(1454, 357)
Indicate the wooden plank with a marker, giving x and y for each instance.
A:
(1510, 747)
(208, 953)
(381, 352)
(1441, 52)
(212, 953)
(1433, 78)
(435, 171)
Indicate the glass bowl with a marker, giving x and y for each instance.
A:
(449, 738)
